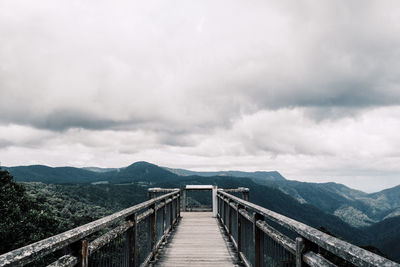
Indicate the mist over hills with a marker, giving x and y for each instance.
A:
(351, 214)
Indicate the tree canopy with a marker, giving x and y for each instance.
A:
(22, 219)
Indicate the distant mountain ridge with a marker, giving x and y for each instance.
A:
(258, 175)
(355, 207)
(138, 171)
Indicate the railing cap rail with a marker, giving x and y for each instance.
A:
(345, 250)
(199, 187)
(46, 246)
(236, 190)
(161, 190)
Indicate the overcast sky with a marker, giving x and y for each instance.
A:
(308, 88)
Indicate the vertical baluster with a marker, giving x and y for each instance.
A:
(239, 229)
(229, 217)
(170, 214)
(258, 241)
(219, 205)
(175, 204)
(85, 256)
(179, 204)
(184, 200)
(131, 239)
(224, 204)
(164, 216)
(300, 247)
(153, 228)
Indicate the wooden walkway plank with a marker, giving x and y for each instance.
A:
(197, 241)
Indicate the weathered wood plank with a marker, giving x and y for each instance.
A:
(197, 241)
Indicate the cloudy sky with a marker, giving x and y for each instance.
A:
(308, 88)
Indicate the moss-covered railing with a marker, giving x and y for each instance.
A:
(130, 237)
(266, 238)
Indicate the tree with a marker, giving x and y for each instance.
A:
(23, 221)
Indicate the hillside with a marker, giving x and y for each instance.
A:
(386, 236)
(58, 175)
(136, 172)
(353, 206)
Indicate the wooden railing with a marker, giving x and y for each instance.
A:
(134, 239)
(262, 238)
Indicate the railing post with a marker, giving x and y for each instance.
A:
(153, 228)
(131, 238)
(214, 201)
(245, 195)
(239, 229)
(178, 208)
(85, 255)
(258, 239)
(224, 204)
(164, 216)
(171, 219)
(300, 247)
(79, 249)
(184, 200)
(174, 209)
(229, 217)
(219, 206)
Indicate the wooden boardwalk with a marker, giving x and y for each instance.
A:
(197, 241)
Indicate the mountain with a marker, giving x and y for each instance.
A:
(388, 199)
(257, 176)
(142, 172)
(353, 206)
(137, 172)
(58, 175)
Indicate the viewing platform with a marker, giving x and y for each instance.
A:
(174, 228)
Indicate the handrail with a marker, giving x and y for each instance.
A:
(345, 250)
(29, 253)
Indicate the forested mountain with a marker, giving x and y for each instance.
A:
(386, 236)
(355, 207)
(58, 175)
(259, 176)
(137, 172)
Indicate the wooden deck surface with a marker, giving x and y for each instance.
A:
(198, 240)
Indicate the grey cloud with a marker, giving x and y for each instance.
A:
(60, 120)
(157, 75)
(5, 143)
